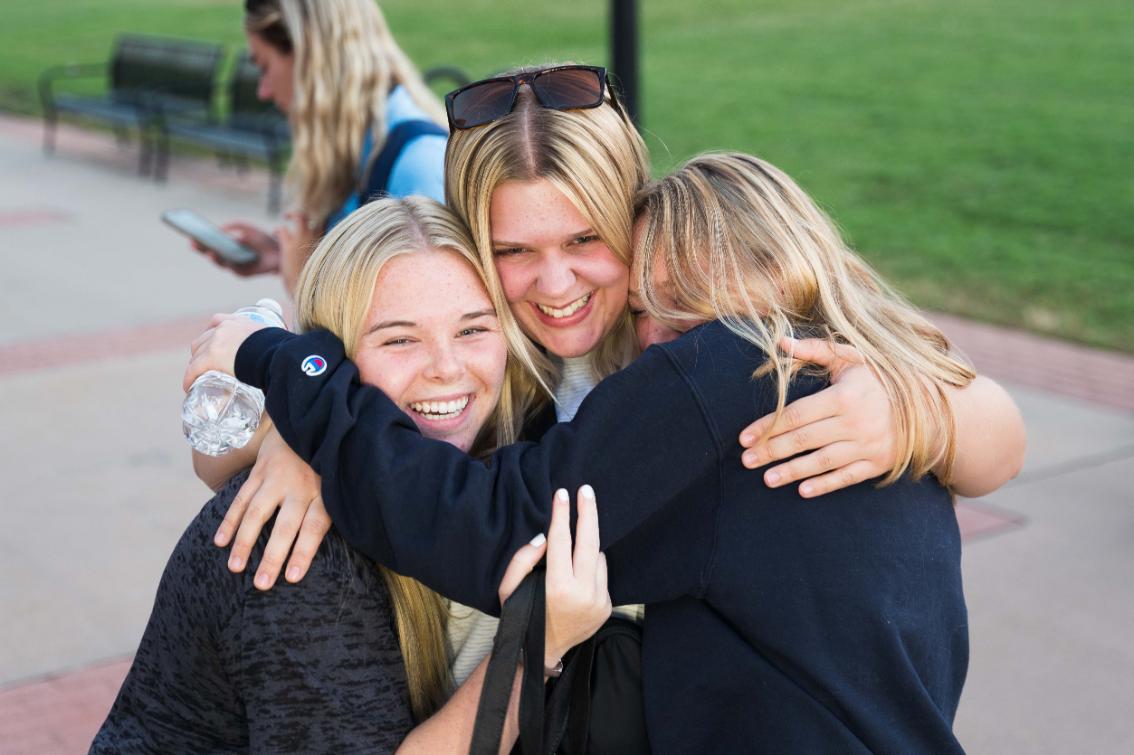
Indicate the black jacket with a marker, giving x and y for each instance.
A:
(774, 623)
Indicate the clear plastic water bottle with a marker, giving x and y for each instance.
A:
(221, 413)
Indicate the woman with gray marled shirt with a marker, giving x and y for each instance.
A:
(352, 658)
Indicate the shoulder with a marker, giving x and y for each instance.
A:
(420, 168)
(710, 347)
(719, 367)
(197, 570)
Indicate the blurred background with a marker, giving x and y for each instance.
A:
(978, 153)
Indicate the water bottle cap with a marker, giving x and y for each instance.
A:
(271, 304)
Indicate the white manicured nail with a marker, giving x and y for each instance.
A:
(538, 540)
(587, 492)
(561, 496)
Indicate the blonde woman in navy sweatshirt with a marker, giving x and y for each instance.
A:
(832, 625)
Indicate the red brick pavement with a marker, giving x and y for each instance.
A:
(1101, 377)
(62, 351)
(58, 715)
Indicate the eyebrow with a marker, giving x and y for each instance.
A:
(408, 324)
(573, 235)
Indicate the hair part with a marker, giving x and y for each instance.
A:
(594, 156)
(346, 64)
(742, 243)
(334, 292)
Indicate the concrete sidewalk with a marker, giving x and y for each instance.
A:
(101, 301)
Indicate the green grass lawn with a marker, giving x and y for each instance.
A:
(978, 152)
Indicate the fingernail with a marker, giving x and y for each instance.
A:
(561, 496)
(236, 563)
(219, 538)
(587, 492)
(293, 574)
(746, 439)
(806, 489)
(772, 478)
(262, 581)
(748, 458)
(538, 540)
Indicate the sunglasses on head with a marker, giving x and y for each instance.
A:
(561, 88)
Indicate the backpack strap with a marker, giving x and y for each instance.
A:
(396, 141)
(511, 638)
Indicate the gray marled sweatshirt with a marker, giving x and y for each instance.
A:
(223, 667)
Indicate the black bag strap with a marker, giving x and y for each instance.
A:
(532, 690)
(578, 721)
(497, 690)
(399, 136)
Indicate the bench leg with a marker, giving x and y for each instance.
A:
(50, 119)
(161, 159)
(145, 150)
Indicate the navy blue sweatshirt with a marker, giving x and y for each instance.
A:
(774, 623)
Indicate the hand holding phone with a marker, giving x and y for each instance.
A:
(240, 247)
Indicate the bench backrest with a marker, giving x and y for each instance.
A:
(177, 68)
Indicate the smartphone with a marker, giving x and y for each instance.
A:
(205, 233)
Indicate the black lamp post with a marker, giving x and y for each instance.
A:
(624, 51)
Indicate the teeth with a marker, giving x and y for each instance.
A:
(567, 311)
(440, 409)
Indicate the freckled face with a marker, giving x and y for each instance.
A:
(564, 285)
(432, 343)
(277, 72)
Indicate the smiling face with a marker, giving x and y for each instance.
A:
(277, 71)
(432, 343)
(565, 286)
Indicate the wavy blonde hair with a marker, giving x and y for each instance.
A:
(595, 157)
(346, 63)
(743, 243)
(334, 292)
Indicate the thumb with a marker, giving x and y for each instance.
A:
(834, 356)
(526, 559)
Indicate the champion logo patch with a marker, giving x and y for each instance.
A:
(313, 366)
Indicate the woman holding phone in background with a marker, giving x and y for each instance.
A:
(349, 93)
(363, 123)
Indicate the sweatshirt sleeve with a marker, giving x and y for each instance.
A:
(430, 511)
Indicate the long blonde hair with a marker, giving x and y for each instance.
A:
(595, 157)
(742, 243)
(346, 63)
(335, 292)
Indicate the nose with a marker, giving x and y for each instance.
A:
(445, 364)
(650, 331)
(556, 276)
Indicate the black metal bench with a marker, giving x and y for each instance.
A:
(146, 78)
(251, 129)
(165, 88)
